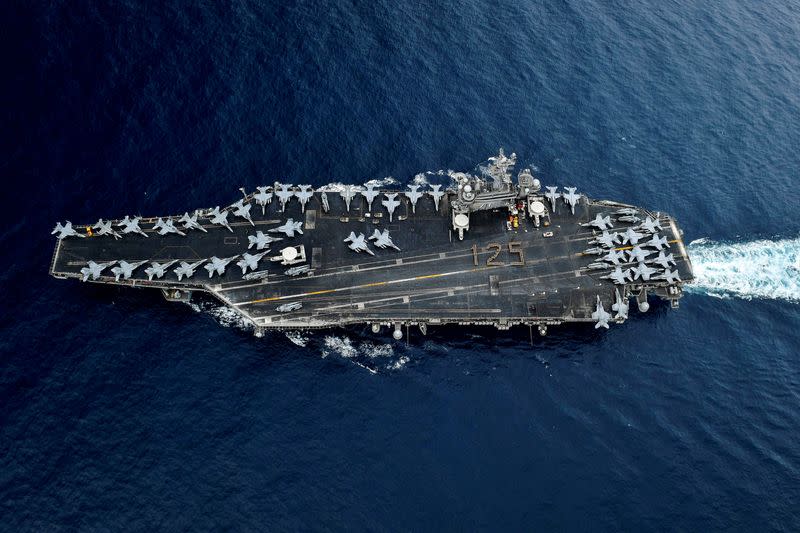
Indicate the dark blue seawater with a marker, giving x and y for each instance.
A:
(121, 411)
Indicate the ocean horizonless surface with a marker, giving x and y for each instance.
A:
(121, 411)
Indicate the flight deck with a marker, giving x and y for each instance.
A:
(484, 251)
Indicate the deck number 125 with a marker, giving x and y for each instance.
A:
(514, 248)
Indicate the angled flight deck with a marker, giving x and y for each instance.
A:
(486, 251)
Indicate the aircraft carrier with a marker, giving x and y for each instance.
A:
(490, 249)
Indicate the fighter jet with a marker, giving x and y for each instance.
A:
(304, 195)
(104, 228)
(358, 244)
(571, 198)
(609, 240)
(601, 315)
(284, 194)
(190, 222)
(600, 222)
(657, 243)
(285, 308)
(638, 253)
(631, 237)
(261, 240)
(553, 196)
(296, 271)
(413, 195)
(187, 269)
(643, 271)
(125, 269)
(629, 218)
(217, 265)
(241, 209)
(626, 211)
(65, 231)
(131, 225)
(437, 194)
(382, 239)
(369, 193)
(261, 274)
(391, 203)
(597, 266)
(614, 257)
(664, 260)
(618, 276)
(620, 306)
(594, 251)
(262, 198)
(250, 261)
(651, 226)
(94, 269)
(158, 269)
(168, 226)
(348, 193)
(220, 217)
(670, 276)
(289, 228)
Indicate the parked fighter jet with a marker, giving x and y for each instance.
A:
(262, 198)
(600, 222)
(348, 193)
(358, 243)
(626, 211)
(304, 195)
(250, 261)
(131, 225)
(284, 194)
(187, 269)
(241, 209)
(670, 276)
(261, 274)
(217, 265)
(643, 271)
(261, 240)
(621, 307)
(631, 236)
(437, 194)
(158, 269)
(609, 240)
(285, 308)
(664, 260)
(638, 253)
(94, 269)
(220, 217)
(657, 242)
(369, 193)
(104, 228)
(383, 240)
(601, 315)
(125, 269)
(552, 195)
(650, 226)
(289, 228)
(571, 198)
(391, 203)
(618, 276)
(190, 222)
(413, 195)
(597, 266)
(296, 271)
(614, 257)
(65, 231)
(629, 218)
(163, 227)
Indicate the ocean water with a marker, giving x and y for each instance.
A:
(121, 411)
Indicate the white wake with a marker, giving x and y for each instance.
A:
(757, 269)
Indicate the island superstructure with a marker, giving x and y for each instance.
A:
(490, 249)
